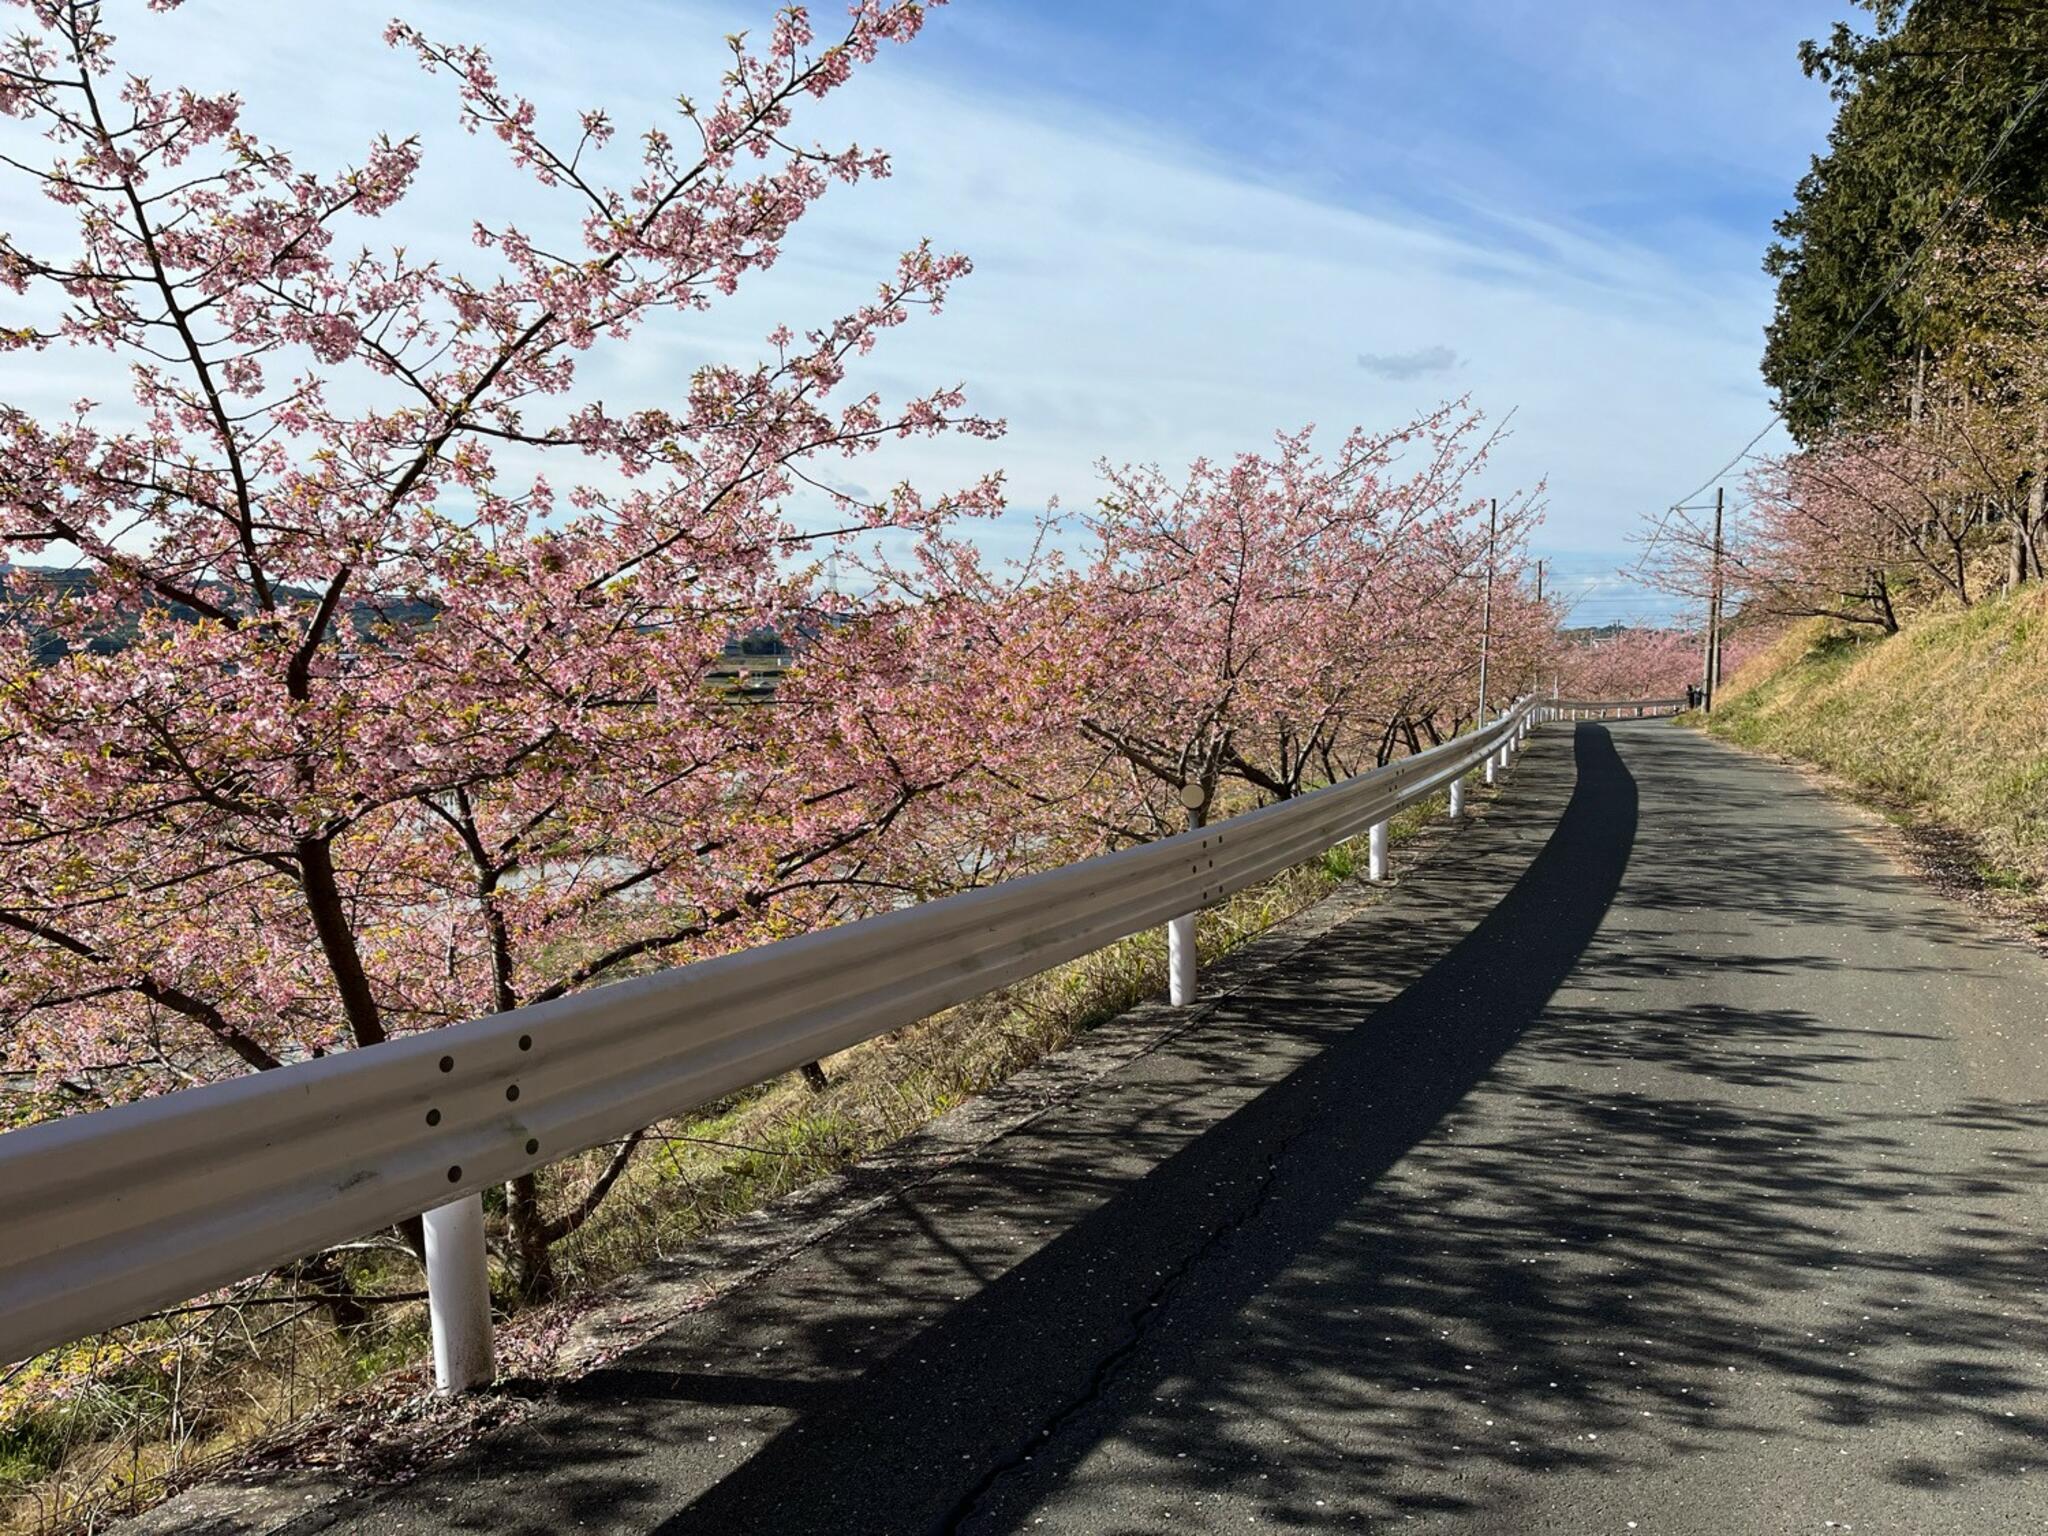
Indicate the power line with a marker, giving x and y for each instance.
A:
(1896, 282)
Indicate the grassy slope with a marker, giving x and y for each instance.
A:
(1946, 721)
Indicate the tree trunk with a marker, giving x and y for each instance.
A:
(323, 1275)
(1387, 739)
(533, 1265)
(2025, 561)
(1881, 600)
(328, 908)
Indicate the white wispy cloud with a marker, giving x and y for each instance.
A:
(1134, 298)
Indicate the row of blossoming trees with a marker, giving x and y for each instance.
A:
(377, 699)
(1627, 662)
(1933, 494)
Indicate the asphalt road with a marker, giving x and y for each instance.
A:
(1660, 1159)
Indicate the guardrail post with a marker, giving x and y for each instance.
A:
(1376, 852)
(1180, 960)
(1492, 767)
(1458, 798)
(459, 1295)
(1180, 931)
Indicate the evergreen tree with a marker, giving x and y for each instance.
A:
(1925, 97)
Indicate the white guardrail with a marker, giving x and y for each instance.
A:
(1615, 709)
(107, 1216)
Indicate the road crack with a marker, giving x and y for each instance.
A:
(1139, 1325)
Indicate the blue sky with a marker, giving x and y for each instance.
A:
(1657, 124)
(1194, 223)
(1652, 144)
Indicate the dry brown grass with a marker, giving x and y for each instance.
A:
(1946, 721)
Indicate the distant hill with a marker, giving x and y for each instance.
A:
(28, 589)
(1587, 633)
(752, 662)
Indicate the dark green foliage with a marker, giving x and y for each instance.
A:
(1925, 95)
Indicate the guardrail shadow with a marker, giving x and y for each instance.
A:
(1805, 1259)
(917, 1441)
(1388, 1235)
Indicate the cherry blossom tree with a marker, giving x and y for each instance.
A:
(1634, 662)
(1988, 287)
(362, 680)
(1934, 495)
(1279, 619)
(1849, 529)
(372, 695)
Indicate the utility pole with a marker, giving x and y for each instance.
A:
(1539, 581)
(1711, 667)
(1486, 605)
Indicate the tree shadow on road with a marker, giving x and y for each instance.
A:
(1570, 1276)
(1360, 1245)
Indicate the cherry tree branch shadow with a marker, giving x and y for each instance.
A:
(1347, 1229)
